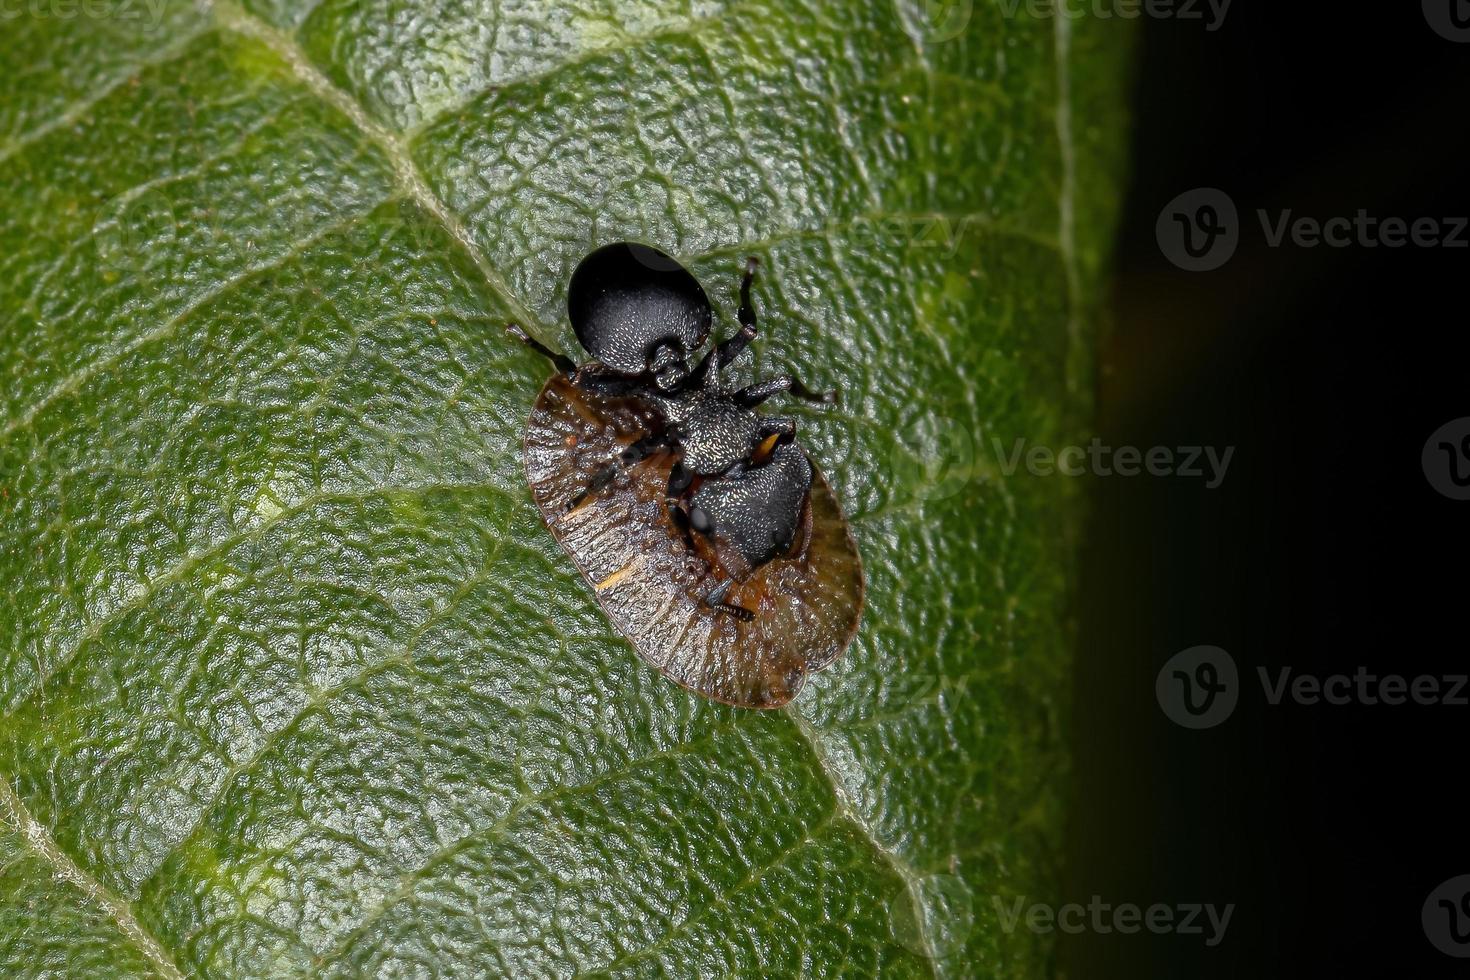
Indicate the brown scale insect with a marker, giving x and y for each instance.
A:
(713, 544)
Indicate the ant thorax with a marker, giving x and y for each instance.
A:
(712, 430)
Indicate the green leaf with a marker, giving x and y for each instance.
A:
(293, 680)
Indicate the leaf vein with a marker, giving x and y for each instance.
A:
(410, 879)
(950, 225)
(1066, 209)
(75, 379)
(756, 875)
(402, 654)
(234, 18)
(14, 812)
(183, 567)
(896, 862)
(75, 110)
(690, 28)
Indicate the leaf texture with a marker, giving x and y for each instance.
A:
(294, 682)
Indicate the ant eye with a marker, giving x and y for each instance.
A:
(699, 520)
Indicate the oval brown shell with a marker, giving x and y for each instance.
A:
(650, 583)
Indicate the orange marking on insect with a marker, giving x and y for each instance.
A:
(763, 452)
(619, 575)
(578, 510)
(586, 414)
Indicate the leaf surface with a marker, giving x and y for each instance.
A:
(293, 679)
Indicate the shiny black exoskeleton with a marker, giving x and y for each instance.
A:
(759, 508)
(738, 478)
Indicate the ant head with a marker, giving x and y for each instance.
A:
(668, 367)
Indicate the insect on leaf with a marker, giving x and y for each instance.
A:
(295, 681)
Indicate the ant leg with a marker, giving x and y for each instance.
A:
(679, 481)
(681, 522)
(752, 395)
(563, 363)
(715, 600)
(727, 350)
(775, 430)
(745, 314)
(631, 454)
(777, 425)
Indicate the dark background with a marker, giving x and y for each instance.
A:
(1324, 549)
